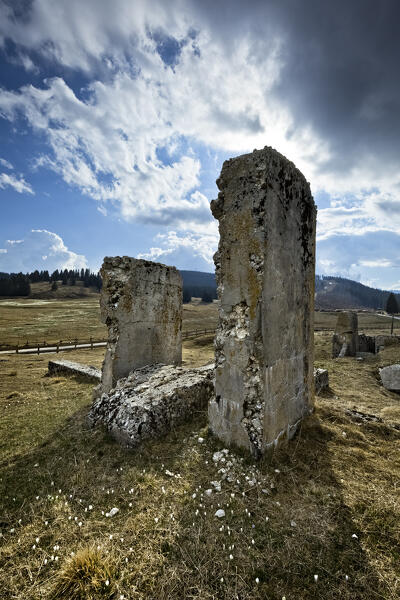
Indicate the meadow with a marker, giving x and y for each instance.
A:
(318, 519)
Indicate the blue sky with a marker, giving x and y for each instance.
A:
(115, 119)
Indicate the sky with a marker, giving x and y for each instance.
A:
(116, 118)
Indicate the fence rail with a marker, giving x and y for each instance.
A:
(76, 344)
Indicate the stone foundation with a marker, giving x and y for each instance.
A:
(67, 367)
(265, 267)
(151, 401)
(141, 304)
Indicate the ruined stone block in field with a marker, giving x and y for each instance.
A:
(151, 401)
(141, 304)
(345, 338)
(265, 268)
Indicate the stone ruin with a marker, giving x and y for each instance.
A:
(141, 304)
(346, 341)
(264, 380)
(265, 268)
(345, 338)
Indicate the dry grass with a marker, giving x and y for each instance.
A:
(338, 479)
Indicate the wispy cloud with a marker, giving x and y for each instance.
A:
(17, 183)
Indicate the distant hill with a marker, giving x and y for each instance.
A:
(338, 292)
(330, 292)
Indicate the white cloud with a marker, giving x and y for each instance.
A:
(17, 183)
(40, 249)
(5, 163)
(220, 95)
(187, 250)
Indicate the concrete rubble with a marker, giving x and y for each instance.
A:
(265, 267)
(151, 401)
(141, 304)
(67, 367)
(390, 377)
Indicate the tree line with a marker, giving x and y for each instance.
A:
(19, 284)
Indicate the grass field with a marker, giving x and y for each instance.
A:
(38, 320)
(320, 519)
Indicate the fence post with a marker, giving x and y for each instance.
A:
(16, 349)
(38, 348)
(91, 343)
(58, 347)
(76, 343)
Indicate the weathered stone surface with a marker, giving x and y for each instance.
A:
(265, 271)
(384, 341)
(345, 338)
(321, 380)
(67, 367)
(141, 304)
(151, 401)
(390, 377)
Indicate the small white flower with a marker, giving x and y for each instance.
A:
(315, 578)
(80, 524)
(257, 580)
(222, 580)
(230, 557)
(293, 524)
(107, 582)
(355, 536)
(156, 519)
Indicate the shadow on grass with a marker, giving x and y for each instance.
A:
(310, 529)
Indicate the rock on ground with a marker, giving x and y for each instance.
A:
(390, 377)
(151, 401)
(321, 380)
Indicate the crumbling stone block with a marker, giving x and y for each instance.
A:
(321, 380)
(151, 401)
(384, 341)
(265, 267)
(67, 367)
(141, 304)
(345, 338)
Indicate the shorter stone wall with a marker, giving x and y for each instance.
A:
(321, 380)
(384, 341)
(151, 401)
(67, 367)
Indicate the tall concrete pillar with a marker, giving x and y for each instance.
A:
(141, 304)
(265, 268)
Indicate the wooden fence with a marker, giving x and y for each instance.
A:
(76, 344)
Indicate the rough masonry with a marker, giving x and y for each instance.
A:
(141, 304)
(265, 267)
(345, 339)
(151, 401)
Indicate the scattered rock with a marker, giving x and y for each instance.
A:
(321, 380)
(390, 377)
(220, 513)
